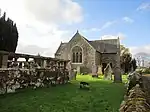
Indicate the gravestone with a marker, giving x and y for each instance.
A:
(108, 72)
(69, 68)
(94, 71)
(78, 70)
(100, 69)
(74, 73)
(44, 63)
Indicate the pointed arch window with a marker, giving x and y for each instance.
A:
(77, 54)
(74, 60)
(77, 57)
(80, 58)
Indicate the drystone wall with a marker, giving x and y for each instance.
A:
(12, 79)
(136, 99)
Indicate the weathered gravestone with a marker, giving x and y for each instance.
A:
(74, 73)
(69, 68)
(94, 71)
(99, 70)
(108, 72)
(78, 70)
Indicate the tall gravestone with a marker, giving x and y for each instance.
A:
(69, 67)
(99, 70)
(74, 74)
(108, 72)
(78, 70)
(94, 71)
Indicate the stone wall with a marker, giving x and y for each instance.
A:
(12, 79)
(136, 99)
(4, 61)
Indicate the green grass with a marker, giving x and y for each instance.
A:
(103, 96)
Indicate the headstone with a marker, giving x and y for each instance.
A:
(26, 65)
(100, 70)
(108, 72)
(74, 74)
(44, 64)
(78, 69)
(15, 64)
(69, 70)
(94, 71)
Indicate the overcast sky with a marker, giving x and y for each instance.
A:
(43, 24)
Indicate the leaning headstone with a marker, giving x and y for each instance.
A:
(108, 72)
(94, 71)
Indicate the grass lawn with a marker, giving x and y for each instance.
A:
(103, 96)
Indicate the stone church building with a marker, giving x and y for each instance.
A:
(84, 54)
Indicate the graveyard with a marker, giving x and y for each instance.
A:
(43, 84)
(103, 96)
(45, 67)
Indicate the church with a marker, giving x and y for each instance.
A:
(84, 54)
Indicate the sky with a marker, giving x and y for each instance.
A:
(43, 24)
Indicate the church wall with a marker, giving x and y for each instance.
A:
(63, 54)
(88, 54)
(98, 62)
(97, 58)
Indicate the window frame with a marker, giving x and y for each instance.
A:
(80, 54)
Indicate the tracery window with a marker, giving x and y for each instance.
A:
(77, 54)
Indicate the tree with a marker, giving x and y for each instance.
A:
(134, 64)
(8, 34)
(125, 59)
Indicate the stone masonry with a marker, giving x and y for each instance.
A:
(97, 52)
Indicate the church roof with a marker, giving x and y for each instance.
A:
(105, 46)
(60, 48)
(102, 46)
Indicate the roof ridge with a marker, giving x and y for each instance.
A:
(64, 42)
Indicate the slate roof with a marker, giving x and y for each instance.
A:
(105, 46)
(102, 46)
(60, 48)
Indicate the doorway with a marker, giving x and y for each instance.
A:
(103, 67)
